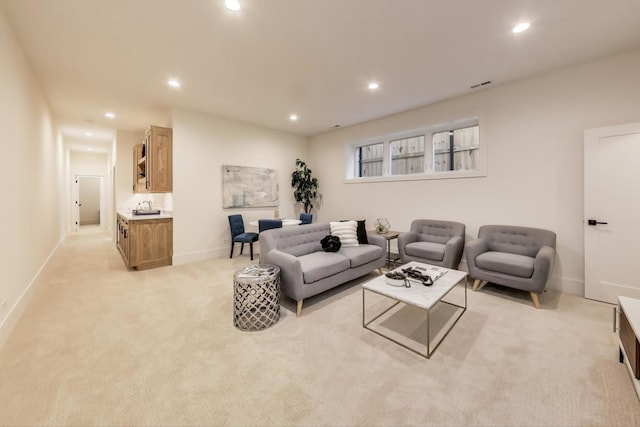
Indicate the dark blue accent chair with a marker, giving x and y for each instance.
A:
(268, 224)
(239, 236)
(306, 218)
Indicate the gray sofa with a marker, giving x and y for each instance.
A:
(517, 257)
(306, 270)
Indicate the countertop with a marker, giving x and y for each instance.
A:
(131, 217)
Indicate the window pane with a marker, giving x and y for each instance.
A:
(456, 150)
(370, 158)
(407, 155)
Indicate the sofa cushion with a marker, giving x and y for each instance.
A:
(428, 250)
(503, 262)
(346, 231)
(318, 265)
(362, 254)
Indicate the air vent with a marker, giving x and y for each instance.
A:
(488, 82)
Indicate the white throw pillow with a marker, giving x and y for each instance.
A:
(347, 231)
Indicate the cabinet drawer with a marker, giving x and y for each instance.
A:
(630, 344)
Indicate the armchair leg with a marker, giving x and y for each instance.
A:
(299, 308)
(534, 297)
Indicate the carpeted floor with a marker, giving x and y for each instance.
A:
(103, 346)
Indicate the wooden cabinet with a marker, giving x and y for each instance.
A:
(629, 337)
(153, 162)
(145, 243)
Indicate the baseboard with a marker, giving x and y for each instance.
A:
(16, 311)
(567, 285)
(196, 256)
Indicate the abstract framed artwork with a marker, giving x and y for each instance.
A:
(249, 187)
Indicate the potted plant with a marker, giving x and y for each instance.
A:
(305, 187)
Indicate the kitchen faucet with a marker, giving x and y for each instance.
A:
(148, 202)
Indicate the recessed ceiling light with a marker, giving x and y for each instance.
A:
(374, 85)
(523, 26)
(173, 83)
(89, 149)
(110, 115)
(293, 117)
(232, 5)
(89, 134)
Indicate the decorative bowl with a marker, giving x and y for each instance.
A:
(395, 282)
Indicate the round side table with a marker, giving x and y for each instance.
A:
(256, 297)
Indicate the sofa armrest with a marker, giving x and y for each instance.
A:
(452, 252)
(404, 239)
(376, 239)
(291, 279)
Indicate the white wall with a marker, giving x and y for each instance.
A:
(534, 136)
(201, 145)
(33, 180)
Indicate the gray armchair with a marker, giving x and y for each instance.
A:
(517, 257)
(432, 242)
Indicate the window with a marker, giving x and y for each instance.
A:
(407, 155)
(456, 149)
(447, 150)
(370, 160)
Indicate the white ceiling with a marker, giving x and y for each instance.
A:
(310, 57)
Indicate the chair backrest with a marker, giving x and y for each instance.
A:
(517, 240)
(306, 218)
(236, 224)
(268, 224)
(433, 230)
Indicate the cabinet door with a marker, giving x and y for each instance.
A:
(150, 243)
(139, 170)
(160, 160)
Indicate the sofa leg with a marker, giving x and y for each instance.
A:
(299, 308)
(380, 271)
(534, 297)
(479, 284)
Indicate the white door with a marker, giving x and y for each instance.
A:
(612, 212)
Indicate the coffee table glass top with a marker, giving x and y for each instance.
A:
(418, 294)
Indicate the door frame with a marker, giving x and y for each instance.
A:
(591, 160)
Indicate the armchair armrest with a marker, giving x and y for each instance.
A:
(453, 251)
(404, 239)
(543, 266)
(472, 250)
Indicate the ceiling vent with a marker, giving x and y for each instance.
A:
(488, 82)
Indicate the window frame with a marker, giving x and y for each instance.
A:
(428, 132)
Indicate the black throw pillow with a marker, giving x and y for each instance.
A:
(331, 243)
(362, 233)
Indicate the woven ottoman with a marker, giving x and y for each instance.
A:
(256, 297)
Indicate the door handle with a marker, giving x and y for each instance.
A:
(594, 222)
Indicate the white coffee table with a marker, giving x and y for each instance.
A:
(420, 296)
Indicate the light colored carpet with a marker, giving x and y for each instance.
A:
(100, 345)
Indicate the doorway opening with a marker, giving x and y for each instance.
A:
(88, 202)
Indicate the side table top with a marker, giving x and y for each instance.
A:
(388, 235)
